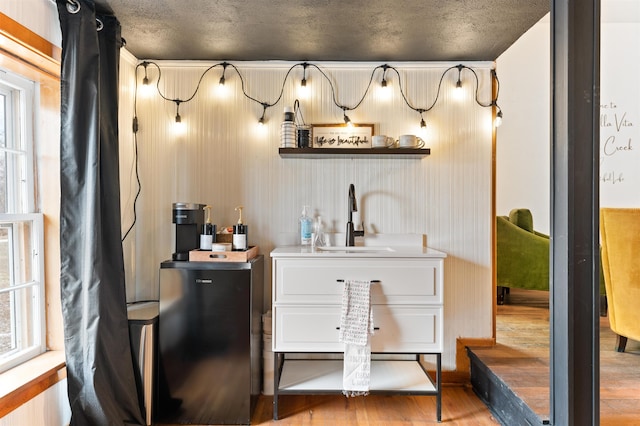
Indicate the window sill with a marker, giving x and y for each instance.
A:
(20, 384)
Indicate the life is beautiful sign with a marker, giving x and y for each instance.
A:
(342, 136)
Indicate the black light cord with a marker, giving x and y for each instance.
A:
(135, 144)
(385, 67)
(460, 67)
(266, 105)
(333, 91)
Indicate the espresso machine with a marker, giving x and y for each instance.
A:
(188, 219)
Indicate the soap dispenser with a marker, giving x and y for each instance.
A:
(239, 242)
(318, 234)
(208, 236)
(305, 226)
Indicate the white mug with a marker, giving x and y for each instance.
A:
(382, 141)
(410, 141)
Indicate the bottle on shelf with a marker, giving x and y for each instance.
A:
(288, 129)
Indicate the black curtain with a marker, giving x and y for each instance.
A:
(101, 382)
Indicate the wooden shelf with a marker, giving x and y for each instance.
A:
(354, 152)
(323, 376)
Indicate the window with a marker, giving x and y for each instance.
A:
(21, 229)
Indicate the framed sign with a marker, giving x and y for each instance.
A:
(342, 136)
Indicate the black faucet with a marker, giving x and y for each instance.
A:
(352, 207)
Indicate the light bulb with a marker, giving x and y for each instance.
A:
(146, 89)
(303, 89)
(498, 120)
(458, 92)
(179, 127)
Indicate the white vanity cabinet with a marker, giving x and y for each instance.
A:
(407, 301)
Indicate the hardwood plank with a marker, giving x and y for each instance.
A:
(521, 359)
(460, 406)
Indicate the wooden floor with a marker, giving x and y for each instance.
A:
(460, 406)
(521, 360)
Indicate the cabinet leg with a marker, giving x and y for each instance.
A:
(277, 370)
(439, 387)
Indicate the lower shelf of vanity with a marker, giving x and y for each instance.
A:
(325, 376)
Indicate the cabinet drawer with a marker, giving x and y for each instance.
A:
(401, 281)
(410, 329)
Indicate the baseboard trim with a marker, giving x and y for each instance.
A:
(463, 365)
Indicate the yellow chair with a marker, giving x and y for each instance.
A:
(620, 238)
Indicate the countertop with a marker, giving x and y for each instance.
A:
(356, 252)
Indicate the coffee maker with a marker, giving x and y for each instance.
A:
(189, 219)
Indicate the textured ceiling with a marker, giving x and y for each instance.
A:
(323, 30)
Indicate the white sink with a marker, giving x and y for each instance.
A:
(357, 249)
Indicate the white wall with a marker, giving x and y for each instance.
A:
(522, 146)
(523, 143)
(49, 408)
(620, 104)
(225, 160)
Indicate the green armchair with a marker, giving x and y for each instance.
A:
(522, 254)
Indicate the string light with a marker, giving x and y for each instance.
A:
(261, 121)
(146, 88)
(383, 83)
(459, 82)
(303, 89)
(303, 82)
(498, 121)
(179, 126)
(145, 80)
(423, 124)
(347, 120)
(222, 79)
(458, 92)
(178, 118)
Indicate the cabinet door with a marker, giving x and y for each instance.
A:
(399, 281)
(407, 329)
(306, 329)
(399, 329)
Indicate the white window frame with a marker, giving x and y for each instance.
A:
(27, 324)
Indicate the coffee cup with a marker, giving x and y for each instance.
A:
(382, 141)
(410, 141)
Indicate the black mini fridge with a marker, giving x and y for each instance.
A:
(209, 341)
